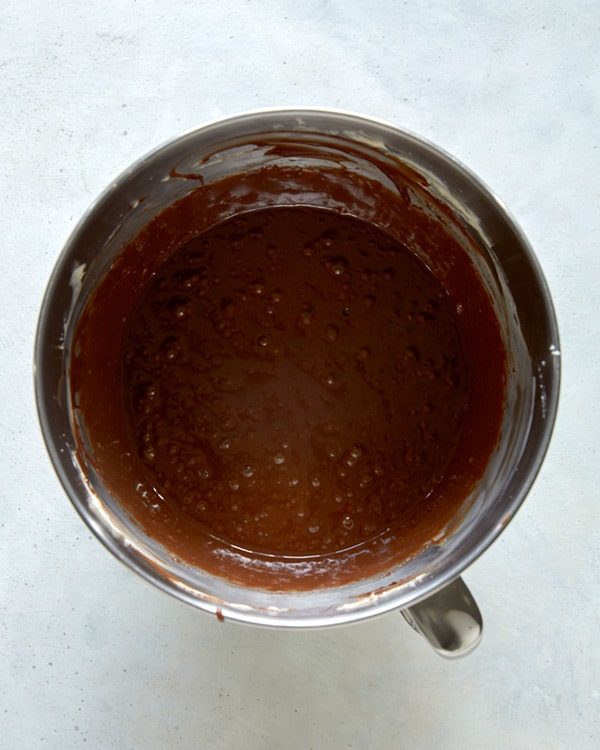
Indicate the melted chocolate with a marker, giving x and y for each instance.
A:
(295, 381)
(290, 385)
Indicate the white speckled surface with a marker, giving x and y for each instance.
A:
(91, 656)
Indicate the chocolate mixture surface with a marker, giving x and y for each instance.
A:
(292, 397)
(295, 381)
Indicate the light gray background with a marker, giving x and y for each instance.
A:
(93, 657)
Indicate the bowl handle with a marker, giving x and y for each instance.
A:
(449, 619)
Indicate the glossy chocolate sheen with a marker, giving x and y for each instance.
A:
(294, 396)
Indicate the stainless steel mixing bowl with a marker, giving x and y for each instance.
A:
(427, 588)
